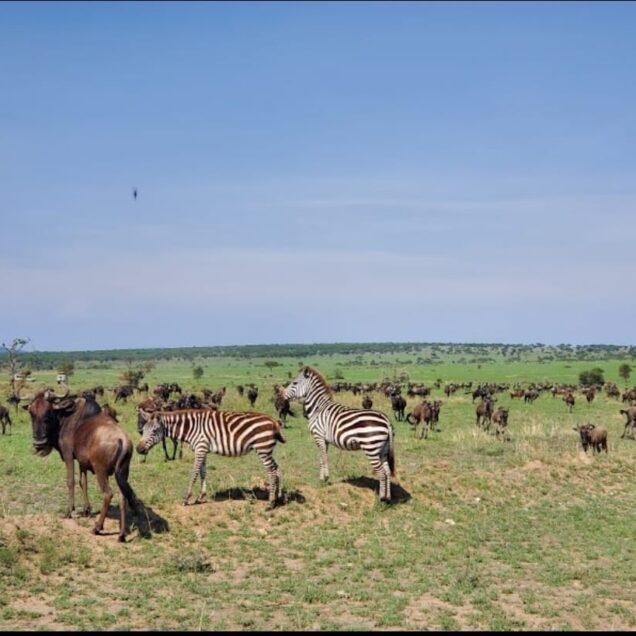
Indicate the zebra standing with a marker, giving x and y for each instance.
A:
(345, 427)
(222, 432)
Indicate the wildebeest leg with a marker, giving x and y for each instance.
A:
(84, 488)
(102, 482)
(70, 484)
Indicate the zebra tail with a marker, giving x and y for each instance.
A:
(391, 456)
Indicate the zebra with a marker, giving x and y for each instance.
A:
(227, 433)
(345, 427)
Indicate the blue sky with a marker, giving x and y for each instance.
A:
(317, 172)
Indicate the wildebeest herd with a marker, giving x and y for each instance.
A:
(82, 430)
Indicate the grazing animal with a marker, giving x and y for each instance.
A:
(425, 413)
(630, 414)
(345, 427)
(500, 419)
(569, 400)
(223, 432)
(367, 402)
(282, 406)
(589, 394)
(79, 430)
(594, 436)
(123, 392)
(252, 394)
(4, 418)
(398, 404)
(484, 412)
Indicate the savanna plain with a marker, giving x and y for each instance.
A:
(528, 533)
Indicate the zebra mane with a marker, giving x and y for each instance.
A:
(321, 378)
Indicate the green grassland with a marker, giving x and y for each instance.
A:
(483, 534)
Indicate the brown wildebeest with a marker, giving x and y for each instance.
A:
(423, 413)
(517, 393)
(568, 398)
(483, 412)
(594, 436)
(110, 411)
(282, 405)
(4, 418)
(252, 394)
(500, 419)
(589, 394)
(80, 430)
(398, 404)
(630, 414)
(367, 402)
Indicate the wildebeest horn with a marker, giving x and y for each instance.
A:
(26, 397)
(49, 395)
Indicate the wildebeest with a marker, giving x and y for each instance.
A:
(123, 392)
(630, 414)
(398, 404)
(500, 419)
(568, 398)
(367, 402)
(594, 436)
(589, 394)
(252, 394)
(4, 418)
(79, 430)
(423, 413)
(483, 411)
(282, 405)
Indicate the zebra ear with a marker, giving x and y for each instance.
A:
(306, 372)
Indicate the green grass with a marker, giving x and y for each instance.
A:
(518, 535)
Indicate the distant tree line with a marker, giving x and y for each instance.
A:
(37, 360)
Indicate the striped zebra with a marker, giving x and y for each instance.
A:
(222, 432)
(344, 427)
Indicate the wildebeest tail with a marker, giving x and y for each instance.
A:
(122, 468)
(408, 418)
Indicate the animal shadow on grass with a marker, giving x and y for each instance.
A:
(398, 494)
(258, 493)
(145, 519)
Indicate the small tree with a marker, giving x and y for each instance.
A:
(133, 375)
(592, 376)
(67, 368)
(197, 372)
(625, 371)
(14, 350)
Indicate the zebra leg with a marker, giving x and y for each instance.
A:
(199, 459)
(203, 473)
(324, 464)
(380, 467)
(273, 476)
